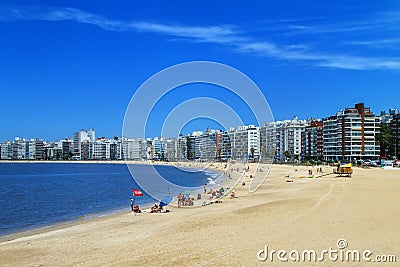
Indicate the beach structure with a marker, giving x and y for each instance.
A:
(344, 169)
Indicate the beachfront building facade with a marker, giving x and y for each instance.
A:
(181, 148)
(18, 149)
(6, 150)
(312, 141)
(246, 142)
(226, 147)
(98, 149)
(395, 135)
(269, 140)
(23, 149)
(80, 138)
(290, 132)
(211, 145)
(53, 151)
(170, 145)
(67, 148)
(351, 135)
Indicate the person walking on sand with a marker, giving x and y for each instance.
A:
(132, 203)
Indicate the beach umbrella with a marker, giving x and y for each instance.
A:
(165, 201)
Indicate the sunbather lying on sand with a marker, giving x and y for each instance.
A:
(154, 208)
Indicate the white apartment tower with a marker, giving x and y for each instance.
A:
(290, 137)
(246, 142)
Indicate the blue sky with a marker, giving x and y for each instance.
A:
(70, 65)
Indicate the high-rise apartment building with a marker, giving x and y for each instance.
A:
(79, 139)
(312, 141)
(351, 134)
(290, 132)
(395, 135)
(246, 142)
(269, 140)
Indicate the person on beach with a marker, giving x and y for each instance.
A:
(180, 196)
(132, 203)
(205, 188)
(154, 208)
(136, 209)
(169, 191)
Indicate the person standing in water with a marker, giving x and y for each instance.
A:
(205, 188)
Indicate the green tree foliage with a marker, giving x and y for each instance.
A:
(385, 140)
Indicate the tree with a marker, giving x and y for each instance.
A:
(252, 150)
(219, 152)
(286, 154)
(234, 152)
(227, 148)
(385, 140)
(184, 152)
(189, 149)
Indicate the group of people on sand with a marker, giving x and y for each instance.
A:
(156, 208)
(153, 209)
(319, 170)
(216, 193)
(185, 200)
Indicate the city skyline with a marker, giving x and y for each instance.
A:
(191, 130)
(71, 66)
(350, 134)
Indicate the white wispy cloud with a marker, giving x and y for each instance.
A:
(320, 59)
(377, 43)
(215, 34)
(228, 35)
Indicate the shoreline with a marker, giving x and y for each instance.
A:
(221, 181)
(87, 218)
(58, 226)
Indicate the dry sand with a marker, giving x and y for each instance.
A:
(304, 214)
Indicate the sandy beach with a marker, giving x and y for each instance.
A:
(301, 215)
